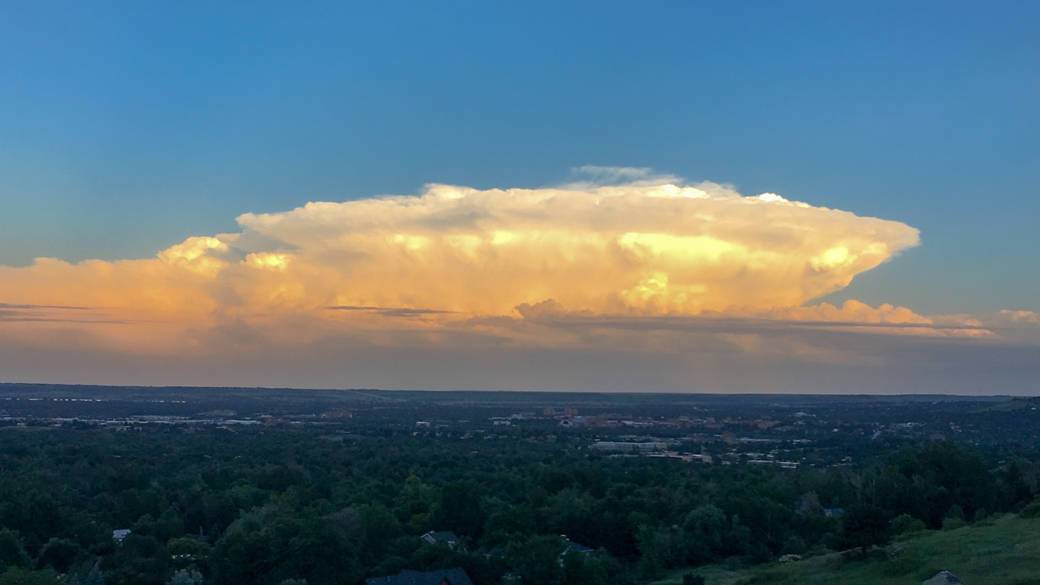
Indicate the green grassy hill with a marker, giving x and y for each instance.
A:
(1004, 551)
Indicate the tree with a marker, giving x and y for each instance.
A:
(269, 545)
(794, 544)
(244, 554)
(459, 509)
(538, 560)
(140, 560)
(705, 528)
(12, 553)
(20, 576)
(905, 524)
(186, 577)
(378, 527)
(661, 548)
(319, 554)
(187, 549)
(589, 569)
(864, 526)
(59, 554)
(87, 574)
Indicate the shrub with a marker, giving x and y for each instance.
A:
(12, 553)
(794, 545)
(186, 577)
(19, 576)
(900, 566)
(766, 577)
(1031, 511)
(905, 524)
(954, 518)
(691, 579)
(863, 526)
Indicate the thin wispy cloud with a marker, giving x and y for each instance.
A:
(33, 313)
(390, 311)
(589, 175)
(30, 307)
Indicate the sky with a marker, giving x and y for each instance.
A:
(673, 196)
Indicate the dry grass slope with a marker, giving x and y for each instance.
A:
(1003, 551)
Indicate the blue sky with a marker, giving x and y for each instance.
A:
(125, 127)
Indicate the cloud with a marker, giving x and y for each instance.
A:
(629, 261)
(390, 311)
(1020, 316)
(590, 175)
(30, 307)
(662, 248)
(32, 313)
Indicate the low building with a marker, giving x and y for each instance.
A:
(629, 446)
(834, 512)
(120, 534)
(442, 538)
(455, 576)
(569, 546)
(943, 578)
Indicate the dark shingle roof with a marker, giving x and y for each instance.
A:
(442, 535)
(454, 576)
(942, 578)
(569, 546)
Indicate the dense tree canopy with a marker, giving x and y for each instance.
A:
(271, 507)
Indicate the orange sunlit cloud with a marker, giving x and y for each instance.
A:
(640, 248)
(520, 266)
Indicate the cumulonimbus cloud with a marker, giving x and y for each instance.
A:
(640, 248)
(678, 285)
(642, 253)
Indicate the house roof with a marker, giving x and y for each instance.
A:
(834, 512)
(454, 576)
(943, 578)
(571, 546)
(442, 535)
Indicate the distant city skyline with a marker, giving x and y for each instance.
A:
(753, 198)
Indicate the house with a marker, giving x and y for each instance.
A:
(496, 552)
(120, 534)
(569, 546)
(834, 512)
(455, 576)
(943, 578)
(441, 537)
